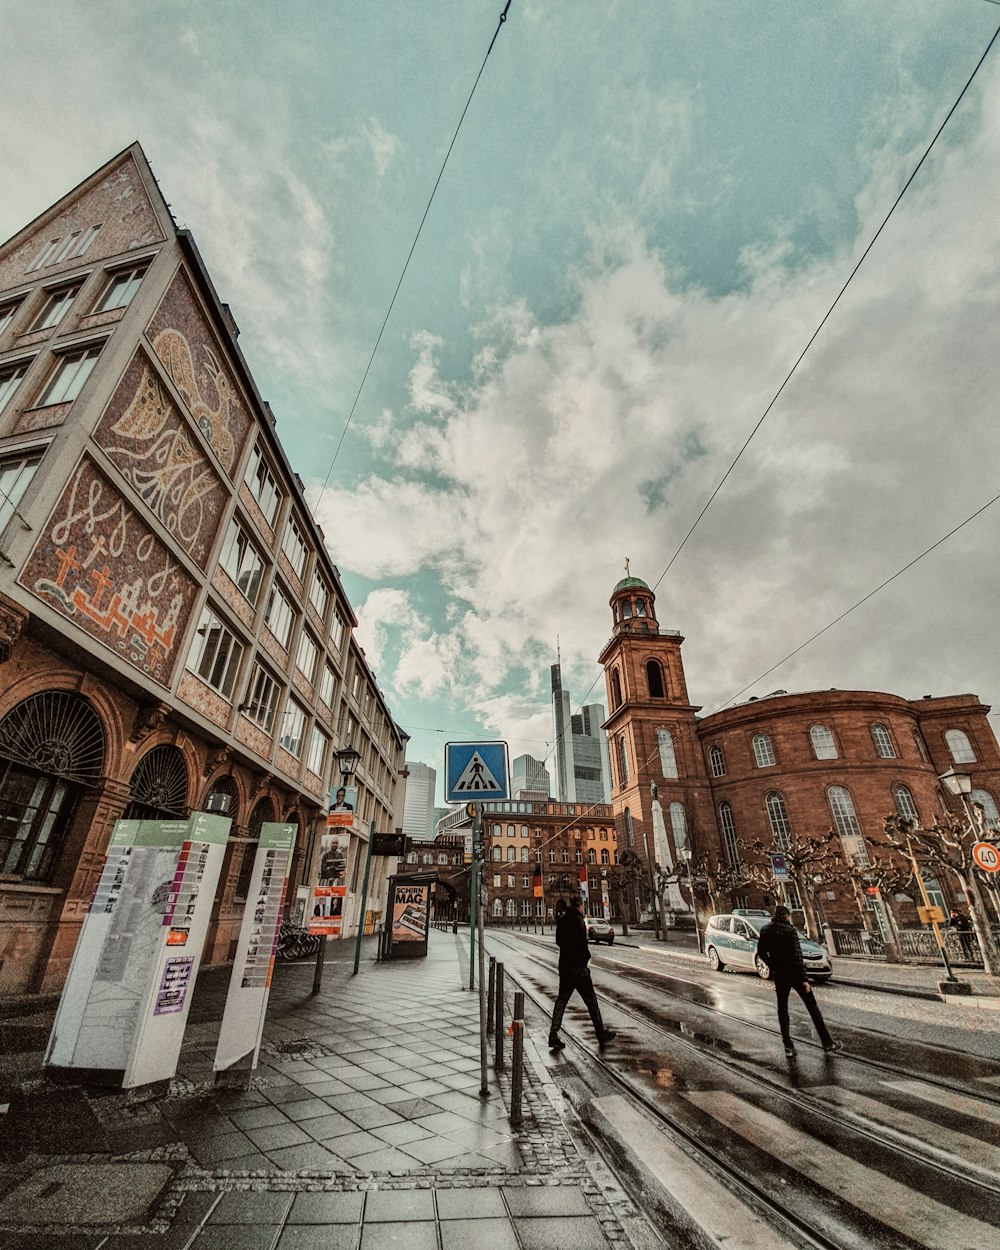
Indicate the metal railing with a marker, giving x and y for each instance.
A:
(858, 944)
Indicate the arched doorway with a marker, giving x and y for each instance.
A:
(263, 811)
(51, 749)
(158, 786)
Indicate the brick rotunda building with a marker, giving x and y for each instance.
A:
(774, 769)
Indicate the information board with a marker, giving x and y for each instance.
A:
(256, 948)
(125, 1003)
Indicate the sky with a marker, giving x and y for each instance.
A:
(648, 210)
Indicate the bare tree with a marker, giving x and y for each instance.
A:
(947, 845)
(810, 860)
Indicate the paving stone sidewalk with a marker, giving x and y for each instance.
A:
(364, 1128)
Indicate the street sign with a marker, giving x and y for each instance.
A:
(930, 915)
(779, 867)
(987, 856)
(389, 844)
(475, 770)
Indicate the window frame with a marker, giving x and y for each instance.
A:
(132, 276)
(80, 355)
(229, 649)
(10, 499)
(239, 543)
(262, 483)
(966, 754)
(826, 747)
(882, 741)
(12, 372)
(294, 538)
(316, 761)
(59, 300)
(763, 751)
(264, 717)
(668, 753)
(286, 609)
(12, 307)
(717, 761)
(297, 715)
(308, 643)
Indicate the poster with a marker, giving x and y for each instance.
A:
(333, 845)
(327, 910)
(343, 803)
(409, 913)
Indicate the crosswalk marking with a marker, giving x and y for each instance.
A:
(969, 1149)
(914, 1215)
(977, 1108)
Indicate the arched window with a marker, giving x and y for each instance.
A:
(845, 821)
(717, 761)
(777, 815)
(497, 908)
(158, 786)
(623, 760)
(654, 679)
(511, 854)
(824, 747)
(679, 827)
(728, 826)
(524, 854)
(591, 856)
(883, 743)
(960, 747)
(905, 806)
(496, 853)
(510, 831)
(51, 748)
(616, 690)
(263, 811)
(428, 858)
(605, 859)
(668, 759)
(626, 609)
(918, 742)
(991, 816)
(640, 607)
(629, 832)
(763, 751)
(511, 908)
(411, 857)
(227, 806)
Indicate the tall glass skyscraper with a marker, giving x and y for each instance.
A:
(582, 768)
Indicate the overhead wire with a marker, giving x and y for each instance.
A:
(413, 246)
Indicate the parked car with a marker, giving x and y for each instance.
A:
(731, 942)
(599, 930)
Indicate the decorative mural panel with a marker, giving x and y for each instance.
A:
(190, 355)
(150, 442)
(99, 564)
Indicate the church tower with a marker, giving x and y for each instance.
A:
(653, 740)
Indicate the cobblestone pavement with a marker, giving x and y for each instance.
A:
(363, 1127)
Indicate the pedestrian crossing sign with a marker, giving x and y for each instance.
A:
(475, 770)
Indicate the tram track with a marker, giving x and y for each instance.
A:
(953, 1172)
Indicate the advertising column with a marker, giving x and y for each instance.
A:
(250, 983)
(125, 1003)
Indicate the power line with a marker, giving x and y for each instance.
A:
(826, 316)
(416, 237)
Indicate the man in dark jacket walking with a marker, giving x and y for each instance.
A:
(778, 946)
(574, 956)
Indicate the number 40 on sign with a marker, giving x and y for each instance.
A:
(987, 856)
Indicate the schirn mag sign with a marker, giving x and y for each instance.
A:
(409, 913)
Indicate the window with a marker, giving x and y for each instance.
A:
(293, 728)
(565, 854)
(640, 607)
(591, 856)
(327, 685)
(905, 806)
(616, 690)
(552, 857)
(991, 816)
(729, 834)
(496, 853)
(717, 761)
(316, 755)
(10, 380)
(16, 473)
(605, 857)
(777, 815)
(240, 560)
(121, 288)
(262, 698)
(960, 747)
(883, 743)
(678, 826)
(626, 609)
(525, 906)
(510, 881)
(66, 247)
(763, 751)
(918, 742)
(525, 882)
(578, 856)
(524, 854)
(8, 310)
(56, 307)
(215, 654)
(71, 373)
(846, 823)
(511, 854)
(824, 747)
(319, 594)
(428, 858)
(622, 761)
(337, 631)
(294, 547)
(654, 679)
(308, 656)
(279, 617)
(668, 760)
(510, 831)
(261, 484)
(629, 833)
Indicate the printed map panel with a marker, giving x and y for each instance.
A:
(98, 562)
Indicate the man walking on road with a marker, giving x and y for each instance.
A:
(778, 946)
(574, 955)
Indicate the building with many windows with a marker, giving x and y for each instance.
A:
(418, 803)
(529, 778)
(580, 748)
(690, 789)
(173, 632)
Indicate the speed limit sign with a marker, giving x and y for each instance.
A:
(987, 856)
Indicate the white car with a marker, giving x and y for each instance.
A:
(731, 942)
(599, 930)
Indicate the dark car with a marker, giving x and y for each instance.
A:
(599, 930)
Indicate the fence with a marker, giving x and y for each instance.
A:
(915, 946)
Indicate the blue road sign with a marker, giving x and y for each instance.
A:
(475, 771)
(779, 867)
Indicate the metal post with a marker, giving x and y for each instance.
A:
(489, 995)
(517, 1061)
(484, 1088)
(364, 899)
(473, 895)
(949, 975)
(320, 960)
(498, 1020)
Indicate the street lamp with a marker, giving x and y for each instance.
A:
(348, 758)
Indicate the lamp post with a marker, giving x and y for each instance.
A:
(348, 759)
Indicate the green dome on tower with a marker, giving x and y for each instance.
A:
(630, 583)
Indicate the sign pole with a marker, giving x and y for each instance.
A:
(364, 898)
(474, 894)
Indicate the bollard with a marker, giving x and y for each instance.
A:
(498, 1021)
(489, 995)
(517, 1060)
